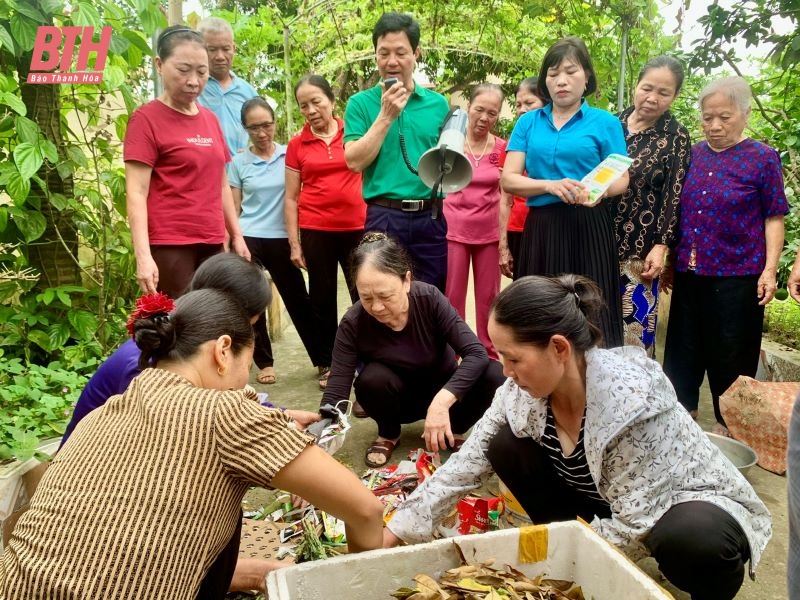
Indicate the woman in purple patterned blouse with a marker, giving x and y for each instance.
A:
(730, 238)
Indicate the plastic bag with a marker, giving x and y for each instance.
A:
(331, 430)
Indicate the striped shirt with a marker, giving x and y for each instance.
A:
(146, 493)
(573, 469)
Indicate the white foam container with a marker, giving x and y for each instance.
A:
(574, 552)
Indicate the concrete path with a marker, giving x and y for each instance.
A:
(296, 387)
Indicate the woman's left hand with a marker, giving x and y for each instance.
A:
(239, 246)
(654, 262)
(767, 284)
(437, 432)
(303, 418)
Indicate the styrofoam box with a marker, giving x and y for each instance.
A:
(574, 552)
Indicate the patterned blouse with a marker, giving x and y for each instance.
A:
(726, 198)
(647, 213)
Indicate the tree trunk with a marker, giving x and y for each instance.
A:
(55, 254)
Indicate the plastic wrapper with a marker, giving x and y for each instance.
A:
(473, 515)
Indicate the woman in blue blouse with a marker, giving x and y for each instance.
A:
(557, 146)
(257, 178)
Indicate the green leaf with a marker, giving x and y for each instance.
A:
(28, 10)
(49, 150)
(47, 296)
(28, 159)
(41, 339)
(18, 188)
(58, 201)
(27, 130)
(6, 41)
(14, 102)
(3, 218)
(84, 322)
(85, 15)
(77, 156)
(119, 43)
(113, 77)
(24, 31)
(31, 226)
(52, 7)
(64, 297)
(58, 333)
(7, 290)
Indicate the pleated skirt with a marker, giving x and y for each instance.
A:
(564, 238)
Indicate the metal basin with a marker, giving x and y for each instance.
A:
(741, 455)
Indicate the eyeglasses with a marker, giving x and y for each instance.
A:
(256, 127)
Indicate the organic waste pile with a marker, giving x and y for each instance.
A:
(474, 581)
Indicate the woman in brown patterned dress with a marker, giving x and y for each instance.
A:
(646, 215)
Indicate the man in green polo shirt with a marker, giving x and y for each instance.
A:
(387, 129)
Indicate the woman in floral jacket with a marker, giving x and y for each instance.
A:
(579, 431)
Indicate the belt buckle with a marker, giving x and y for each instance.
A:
(411, 205)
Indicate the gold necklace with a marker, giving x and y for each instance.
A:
(325, 135)
(477, 159)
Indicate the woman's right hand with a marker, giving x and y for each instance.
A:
(569, 191)
(147, 274)
(506, 260)
(297, 258)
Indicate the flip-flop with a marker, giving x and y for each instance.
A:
(384, 448)
(266, 376)
(322, 380)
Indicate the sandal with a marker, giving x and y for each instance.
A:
(266, 376)
(384, 449)
(720, 429)
(322, 379)
(359, 412)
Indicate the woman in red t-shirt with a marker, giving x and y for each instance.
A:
(512, 221)
(174, 152)
(324, 210)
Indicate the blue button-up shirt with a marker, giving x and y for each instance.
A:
(226, 103)
(572, 151)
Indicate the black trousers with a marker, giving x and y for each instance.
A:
(424, 239)
(324, 252)
(274, 255)
(699, 547)
(714, 328)
(392, 399)
(217, 581)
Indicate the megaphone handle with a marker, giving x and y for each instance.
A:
(436, 200)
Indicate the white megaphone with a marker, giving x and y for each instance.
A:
(445, 163)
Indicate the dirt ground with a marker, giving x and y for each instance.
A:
(296, 387)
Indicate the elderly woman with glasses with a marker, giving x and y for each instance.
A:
(257, 178)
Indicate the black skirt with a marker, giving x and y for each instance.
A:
(564, 238)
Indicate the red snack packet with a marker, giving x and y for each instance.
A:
(472, 515)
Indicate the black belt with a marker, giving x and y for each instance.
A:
(404, 205)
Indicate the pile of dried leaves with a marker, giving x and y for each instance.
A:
(478, 581)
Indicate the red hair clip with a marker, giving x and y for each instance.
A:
(149, 306)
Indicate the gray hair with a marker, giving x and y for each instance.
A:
(735, 89)
(214, 25)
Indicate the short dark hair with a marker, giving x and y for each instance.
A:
(530, 84)
(174, 36)
(665, 61)
(394, 22)
(536, 308)
(382, 252)
(242, 279)
(199, 316)
(255, 102)
(318, 81)
(567, 48)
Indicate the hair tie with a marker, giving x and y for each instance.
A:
(155, 306)
(577, 298)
